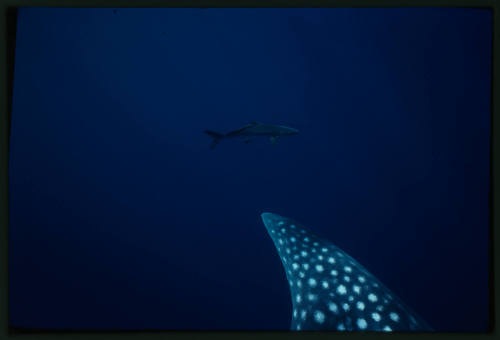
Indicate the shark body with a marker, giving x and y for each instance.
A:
(332, 291)
(251, 130)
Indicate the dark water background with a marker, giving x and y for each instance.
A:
(121, 216)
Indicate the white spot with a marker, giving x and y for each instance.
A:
(295, 257)
(292, 226)
(348, 269)
(357, 289)
(312, 282)
(376, 316)
(333, 272)
(284, 260)
(280, 223)
(295, 313)
(340, 254)
(282, 230)
(324, 284)
(280, 241)
(346, 306)
(313, 250)
(293, 239)
(361, 279)
(298, 327)
(360, 305)
(380, 308)
(306, 239)
(319, 268)
(341, 289)
(272, 231)
(306, 266)
(303, 231)
(347, 278)
(324, 250)
(311, 297)
(332, 306)
(320, 257)
(315, 244)
(301, 275)
(362, 323)
(375, 284)
(291, 283)
(303, 314)
(387, 329)
(298, 298)
(288, 250)
(299, 283)
(350, 298)
(319, 316)
(394, 317)
(341, 327)
(303, 253)
(372, 297)
(331, 260)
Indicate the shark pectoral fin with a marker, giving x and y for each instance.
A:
(274, 139)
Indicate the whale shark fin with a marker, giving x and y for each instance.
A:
(330, 290)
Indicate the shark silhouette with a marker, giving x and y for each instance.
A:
(253, 129)
(332, 291)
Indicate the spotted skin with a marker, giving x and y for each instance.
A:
(332, 291)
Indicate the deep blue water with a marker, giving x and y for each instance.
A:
(121, 216)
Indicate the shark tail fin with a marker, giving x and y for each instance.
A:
(216, 137)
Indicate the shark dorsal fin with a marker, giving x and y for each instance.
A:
(332, 291)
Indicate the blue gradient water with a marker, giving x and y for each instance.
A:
(121, 216)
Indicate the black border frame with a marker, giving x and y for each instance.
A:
(8, 23)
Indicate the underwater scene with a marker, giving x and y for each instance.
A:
(286, 169)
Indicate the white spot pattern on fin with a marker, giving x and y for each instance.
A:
(325, 298)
